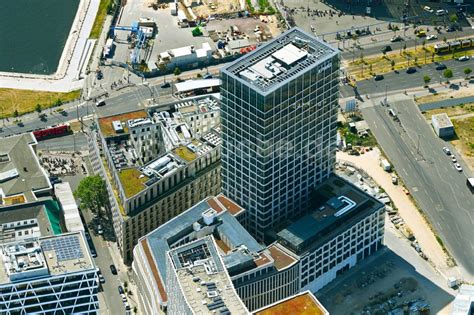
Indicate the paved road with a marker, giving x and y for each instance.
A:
(109, 289)
(429, 174)
(400, 80)
(410, 42)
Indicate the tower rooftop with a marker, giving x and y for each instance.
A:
(280, 60)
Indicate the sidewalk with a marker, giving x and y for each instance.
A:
(369, 162)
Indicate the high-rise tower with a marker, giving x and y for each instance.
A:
(278, 114)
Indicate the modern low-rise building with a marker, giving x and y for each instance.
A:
(463, 304)
(345, 226)
(52, 274)
(442, 125)
(165, 159)
(22, 179)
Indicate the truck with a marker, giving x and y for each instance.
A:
(385, 165)
(452, 282)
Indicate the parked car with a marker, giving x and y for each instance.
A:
(99, 229)
(93, 253)
(431, 37)
(113, 269)
(411, 70)
(120, 290)
(463, 58)
(458, 167)
(428, 9)
(124, 298)
(165, 85)
(454, 159)
(441, 12)
(378, 77)
(447, 151)
(100, 103)
(207, 76)
(441, 66)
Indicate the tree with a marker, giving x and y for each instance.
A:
(38, 108)
(453, 18)
(448, 74)
(392, 63)
(426, 79)
(92, 193)
(467, 72)
(15, 113)
(177, 71)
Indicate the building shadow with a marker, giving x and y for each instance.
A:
(384, 282)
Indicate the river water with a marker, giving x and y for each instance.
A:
(33, 34)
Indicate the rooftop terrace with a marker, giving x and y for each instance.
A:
(281, 59)
(338, 204)
(301, 304)
(106, 123)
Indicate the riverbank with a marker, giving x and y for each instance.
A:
(73, 62)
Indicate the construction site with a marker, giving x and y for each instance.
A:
(156, 35)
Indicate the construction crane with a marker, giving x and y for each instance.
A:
(140, 39)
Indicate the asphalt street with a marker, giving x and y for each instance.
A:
(440, 190)
(410, 42)
(401, 80)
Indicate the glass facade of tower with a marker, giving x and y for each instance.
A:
(278, 143)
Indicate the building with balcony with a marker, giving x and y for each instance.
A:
(158, 163)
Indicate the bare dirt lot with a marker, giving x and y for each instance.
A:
(210, 7)
(247, 26)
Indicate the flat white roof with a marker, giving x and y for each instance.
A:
(190, 85)
(181, 51)
(290, 54)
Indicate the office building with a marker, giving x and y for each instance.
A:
(198, 282)
(278, 119)
(52, 274)
(159, 162)
(22, 179)
(345, 226)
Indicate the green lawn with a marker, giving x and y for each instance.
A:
(354, 139)
(131, 181)
(104, 7)
(25, 101)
